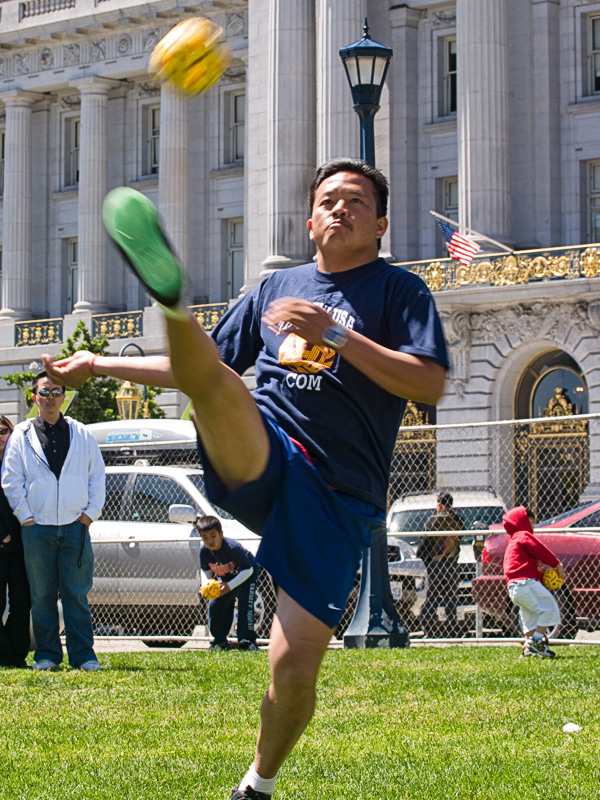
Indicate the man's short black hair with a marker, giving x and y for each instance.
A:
(445, 499)
(208, 523)
(358, 167)
(38, 378)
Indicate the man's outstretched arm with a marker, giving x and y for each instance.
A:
(75, 370)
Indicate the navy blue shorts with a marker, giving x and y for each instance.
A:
(312, 536)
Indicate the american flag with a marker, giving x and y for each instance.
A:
(460, 247)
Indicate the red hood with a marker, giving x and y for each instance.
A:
(517, 520)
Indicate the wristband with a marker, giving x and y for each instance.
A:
(334, 336)
(91, 366)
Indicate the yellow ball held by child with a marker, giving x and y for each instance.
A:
(211, 589)
(193, 55)
(552, 580)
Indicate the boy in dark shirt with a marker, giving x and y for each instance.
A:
(237, 572)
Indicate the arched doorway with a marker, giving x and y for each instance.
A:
(552, 455)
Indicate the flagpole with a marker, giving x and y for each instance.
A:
(472, 232)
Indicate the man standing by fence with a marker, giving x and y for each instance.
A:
(53, 478)
(440, 556)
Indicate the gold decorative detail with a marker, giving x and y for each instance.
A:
(436, 276)
(39, 331)
(209, 315)
(123, 325)
(590, 263)
(521, 267)
(413, 417)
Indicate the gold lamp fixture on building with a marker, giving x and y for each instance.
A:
(128, 400)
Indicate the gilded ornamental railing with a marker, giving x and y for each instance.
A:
(520, 267)
(123, 325)
(38, 331)
(119, 325)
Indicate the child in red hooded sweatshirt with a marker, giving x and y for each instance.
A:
(538, 610)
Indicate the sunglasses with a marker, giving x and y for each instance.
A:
(4, 431)
(48, 392)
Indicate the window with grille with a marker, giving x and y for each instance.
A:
(450, 189)
(594, 47)
(235, 109)
(594, 201)
(153, 139)
(72, 143)
(449, 72)
(72, 273)
(235, 257)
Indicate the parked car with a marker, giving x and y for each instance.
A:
(146, 568)
(407, 517)
(579, 550)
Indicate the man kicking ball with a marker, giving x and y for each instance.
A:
(304, 460)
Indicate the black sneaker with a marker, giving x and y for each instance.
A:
(131, 220)
(245, 644)
(220, 646)
(248, 794)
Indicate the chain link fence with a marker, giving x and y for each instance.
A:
(146, 576)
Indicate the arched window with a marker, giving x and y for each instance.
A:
(538, 385)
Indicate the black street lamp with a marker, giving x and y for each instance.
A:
(375, 622)
(366, 63)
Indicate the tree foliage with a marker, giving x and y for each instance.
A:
(96, 401)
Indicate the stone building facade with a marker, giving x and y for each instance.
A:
(489, 116)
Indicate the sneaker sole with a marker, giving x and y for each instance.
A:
(131, 220)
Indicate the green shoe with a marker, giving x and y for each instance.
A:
(131, 220)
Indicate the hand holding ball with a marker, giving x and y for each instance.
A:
(211, 589)
(552, 580)
(193, 55)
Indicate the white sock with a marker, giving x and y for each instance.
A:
(253, 779)
(537, 636)
(178, 311)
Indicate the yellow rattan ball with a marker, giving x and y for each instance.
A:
(193, 55)
(552, 580)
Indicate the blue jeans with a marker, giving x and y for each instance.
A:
(52, 553)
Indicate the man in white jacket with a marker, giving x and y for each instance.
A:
(53, 478)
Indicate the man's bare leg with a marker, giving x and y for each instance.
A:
(230, 425)
(298, 644)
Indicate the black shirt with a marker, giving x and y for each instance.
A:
(55, 441)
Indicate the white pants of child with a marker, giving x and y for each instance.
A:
(537, 606)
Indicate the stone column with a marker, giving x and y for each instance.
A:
(173, 177)
(16, 245)
(404, 133)
(291, 152)
(93, 183)
(482, 81)
(339, 23)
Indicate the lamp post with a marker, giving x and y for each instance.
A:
(126, 398)
(375, 622)
(366, 63)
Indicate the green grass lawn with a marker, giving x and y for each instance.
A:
(421, 723)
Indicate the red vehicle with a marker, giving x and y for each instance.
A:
(578, 598)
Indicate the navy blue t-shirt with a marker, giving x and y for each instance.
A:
(227, 562)
(345, 421)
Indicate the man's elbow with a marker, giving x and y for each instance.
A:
(432, 388)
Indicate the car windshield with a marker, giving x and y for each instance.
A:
(198, 480)
(475, 517)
